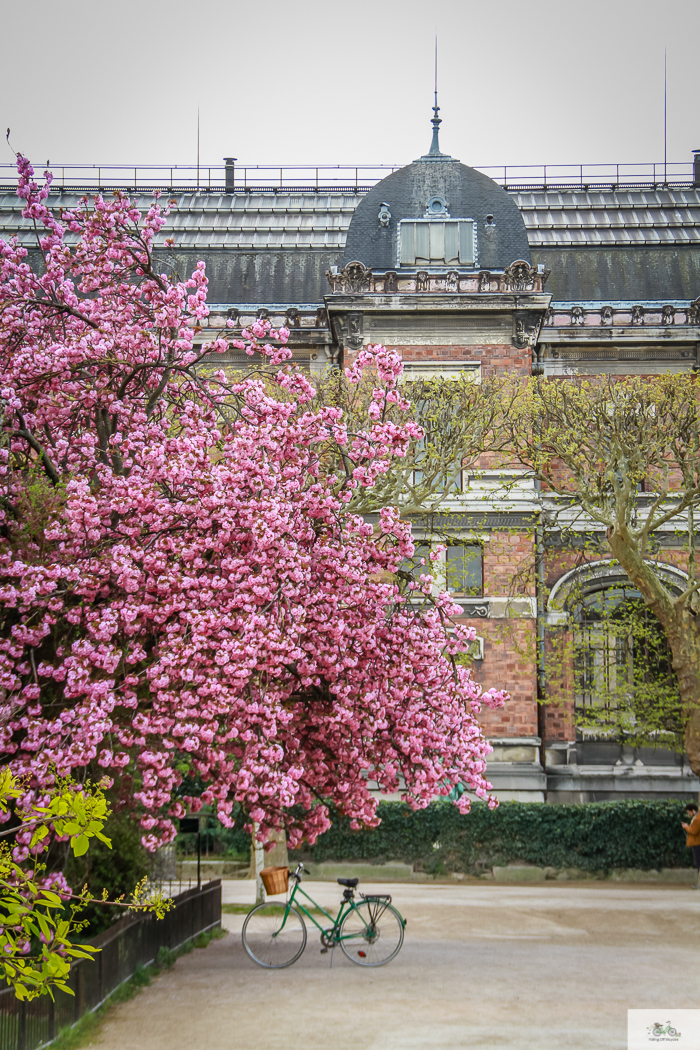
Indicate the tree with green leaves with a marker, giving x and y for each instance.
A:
(458, 418)
(620, 457)
(39, 916)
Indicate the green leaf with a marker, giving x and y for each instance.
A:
(80, 844)
(70, 827)
(51, 899)
(43, 925)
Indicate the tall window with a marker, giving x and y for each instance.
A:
(624, 676)
(459, 568)
(464, 569)
(431, 468)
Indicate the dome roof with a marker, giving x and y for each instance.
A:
(437, 186)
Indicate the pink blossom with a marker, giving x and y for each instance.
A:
(202, 599)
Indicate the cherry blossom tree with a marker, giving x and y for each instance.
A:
(184, 594)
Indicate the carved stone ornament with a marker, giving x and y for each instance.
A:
(637, 315)
(452, 281)
(520, 276)
(384, 215)
(234, 314)
(263, 314)
(321, 317)
(390, 282)
(422, 281)
(291, 318)
(353, 278)
(692, 314)
(549, 317)
(355, 331)
(525, 330)
(668, 315)
(485, 281)
(578, 315)
(475, 609)
(606, 315)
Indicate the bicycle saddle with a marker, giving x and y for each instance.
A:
(350, 883)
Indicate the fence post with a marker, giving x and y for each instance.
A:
(22, 1026)
(78, 1014)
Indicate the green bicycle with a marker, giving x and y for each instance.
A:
(370, 933)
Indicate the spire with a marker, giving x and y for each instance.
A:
(436, 121)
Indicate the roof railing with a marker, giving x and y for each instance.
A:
(349, 178)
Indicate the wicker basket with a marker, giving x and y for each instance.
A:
(275, 880)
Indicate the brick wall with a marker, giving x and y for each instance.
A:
(493, 357)
(509, 663)
(509, 562)
(557, 718)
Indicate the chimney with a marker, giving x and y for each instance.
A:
(696, 167)
(230, 163)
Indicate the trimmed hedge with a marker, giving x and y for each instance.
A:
(594, 836)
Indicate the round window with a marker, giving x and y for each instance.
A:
(437, 206)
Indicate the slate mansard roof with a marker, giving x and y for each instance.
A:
(468, 194)
(640, 243)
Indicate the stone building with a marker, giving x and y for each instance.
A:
(461, 274)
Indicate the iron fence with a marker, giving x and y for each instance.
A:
(336, 178)
(130, 943)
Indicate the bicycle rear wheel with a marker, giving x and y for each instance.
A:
(271, 939)
(371, 933)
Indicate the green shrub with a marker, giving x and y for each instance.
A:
(594, 836)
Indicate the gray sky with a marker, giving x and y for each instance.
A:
(348, 82)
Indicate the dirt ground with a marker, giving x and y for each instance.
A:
(482, 966)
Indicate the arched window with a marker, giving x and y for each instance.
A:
(622, 664)
(623, 679)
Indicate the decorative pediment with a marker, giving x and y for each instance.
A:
(354, 278)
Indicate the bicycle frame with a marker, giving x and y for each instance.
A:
(346, 906)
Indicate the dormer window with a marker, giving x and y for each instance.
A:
(437, 242)
(436, 206)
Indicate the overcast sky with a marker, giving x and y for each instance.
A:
(348, 81)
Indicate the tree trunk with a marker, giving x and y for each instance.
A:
(261, 858)
(692, 740)
(684, 639)
(257, 863)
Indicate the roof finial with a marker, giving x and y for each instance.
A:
(436, 122)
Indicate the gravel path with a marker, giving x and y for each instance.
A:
(482, 966)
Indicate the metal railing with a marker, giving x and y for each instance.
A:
(357, 178)
(130, 943)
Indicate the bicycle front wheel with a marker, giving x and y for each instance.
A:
(371, 933)
(273, 936)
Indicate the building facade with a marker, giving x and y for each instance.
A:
(460, 274)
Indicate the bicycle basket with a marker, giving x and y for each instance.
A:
(275, 880)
